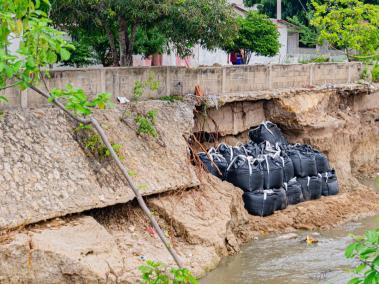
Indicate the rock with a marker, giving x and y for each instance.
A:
(204, 224)
(80, 251)
(44, 166)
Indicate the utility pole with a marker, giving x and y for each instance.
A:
(278, 9)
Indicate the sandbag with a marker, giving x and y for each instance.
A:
(281, 200)
(322, 162)
(288, 169)
(293, 191)
(272, 171)
(267, 131)
(253, 149)
(311, 187)
(260, 202)
(304, 163)
(228, 152)
(218, 160)
(330, 183)
(245, 173)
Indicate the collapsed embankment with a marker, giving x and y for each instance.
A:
(45, 175)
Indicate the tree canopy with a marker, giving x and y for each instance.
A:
(256, 34)
(147, 27)
(349, 25)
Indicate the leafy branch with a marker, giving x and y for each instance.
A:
(40, 46)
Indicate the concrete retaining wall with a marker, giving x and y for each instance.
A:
(181, 80)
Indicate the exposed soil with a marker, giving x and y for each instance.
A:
(207, 222)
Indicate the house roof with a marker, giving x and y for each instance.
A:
(293, 27)
(241, 8)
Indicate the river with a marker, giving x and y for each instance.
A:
(274, 260)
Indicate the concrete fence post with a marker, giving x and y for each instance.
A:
(168, 81)
(223, 80)
(348, 73)
(269, 78)
(311, 74)
(103, 80)
(23, 99)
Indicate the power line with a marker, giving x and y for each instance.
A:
(302, 5)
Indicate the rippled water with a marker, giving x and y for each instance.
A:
(272, 260)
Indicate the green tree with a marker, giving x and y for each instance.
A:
(41, 45)
(256, 34)
(308, 34)
(91, 23)
(128, 23)
(349, 25)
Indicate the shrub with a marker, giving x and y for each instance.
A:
(158, 273)
(146, 123)
(375, 74)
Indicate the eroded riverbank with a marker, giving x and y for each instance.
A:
(202, 216)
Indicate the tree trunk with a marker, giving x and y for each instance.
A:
(126, 41)
(123, 32)
(112, 45)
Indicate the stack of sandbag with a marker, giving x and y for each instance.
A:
(271, 172)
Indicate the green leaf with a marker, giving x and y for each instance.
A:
(359, 268)
(3, 99)
(372, 236)
(366, 252)
(52, 57)
(65, 54)
(355, 281)
(350, 250)
(371, 278)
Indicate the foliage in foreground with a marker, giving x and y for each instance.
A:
(365, 250)
(40, 44)
(158, 273)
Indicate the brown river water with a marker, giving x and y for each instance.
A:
(273, 260)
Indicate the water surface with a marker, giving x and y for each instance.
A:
(274, 261)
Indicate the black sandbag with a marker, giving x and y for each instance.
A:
(228, 152)
(294, 192)
(322, 162)
(253, 149)
(272, 171)
(311, 187)
(245, 173)
(218, 160)
(281, 200)
(330, 183)
(288, 169)
(260, 202)
(267, 131)
(304, 163)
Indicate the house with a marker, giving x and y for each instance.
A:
(288, 38)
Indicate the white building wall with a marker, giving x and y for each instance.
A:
(206, 57)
